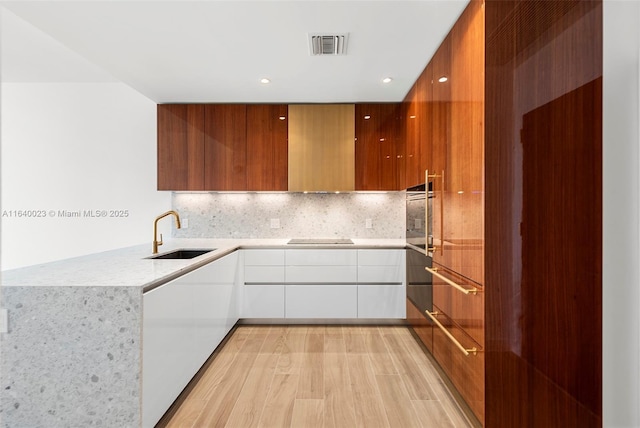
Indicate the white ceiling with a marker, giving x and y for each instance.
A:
(217, 51)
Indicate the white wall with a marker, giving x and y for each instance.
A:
(621, 218)
(76, 146)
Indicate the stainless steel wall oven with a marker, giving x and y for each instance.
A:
(419, 241)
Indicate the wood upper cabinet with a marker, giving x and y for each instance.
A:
(225, 146)
(180, 147)
(321, 147)
(267, 147)
(412, 117)
(418, 128)
(376, 147)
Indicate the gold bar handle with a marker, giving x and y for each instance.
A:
(434, 271)
(464, 350)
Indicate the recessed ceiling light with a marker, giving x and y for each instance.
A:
(443, 79)
(265, 80)
(413, 116)
(367, 117)
(282, 118)
(387, 80)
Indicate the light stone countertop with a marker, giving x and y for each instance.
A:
(130, 267)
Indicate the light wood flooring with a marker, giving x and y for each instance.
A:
(317, 376)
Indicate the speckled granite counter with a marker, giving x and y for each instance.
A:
(73, 354)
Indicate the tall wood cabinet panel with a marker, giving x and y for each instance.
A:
(267, 147)
(180, 147)
(450, 99)
(543, 220)
(225, 146)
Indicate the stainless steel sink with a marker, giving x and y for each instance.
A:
(183, 254)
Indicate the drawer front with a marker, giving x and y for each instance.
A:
(381, 257)
(465, 310)
(388, 274)
(264, 274)
(263, 301)
(321, 301)
(465, 372)
(381, 301)
(264, 257)
(321, 257)
(321, 274)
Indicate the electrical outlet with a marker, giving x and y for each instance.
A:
(275, 223)
(368, 223)
(184, 223)
(417, 223)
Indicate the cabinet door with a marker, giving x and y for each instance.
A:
(441, 142)
(168, 338)
(466, 164)
(368, 127)
(412, 118)
(382, 301)
(267, 147)
(225, 151)
(321, 301)
(263, 301)
(180, 147)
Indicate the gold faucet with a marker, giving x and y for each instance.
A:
(157, 243)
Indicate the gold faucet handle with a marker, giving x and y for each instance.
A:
(160, 241)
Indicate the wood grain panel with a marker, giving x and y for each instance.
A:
(412, 117)
(543, 189)
(465, 372)
(225, 146)
(440, 109)
(419, 323)
(180, 146)
(321, 147)
(267, 147)
(368, 156)
(425, 99)
(376, 162)
(465, 310)
(571, 293)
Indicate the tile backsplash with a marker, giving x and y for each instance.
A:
(313, 215)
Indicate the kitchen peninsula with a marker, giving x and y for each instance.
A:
(73, 355)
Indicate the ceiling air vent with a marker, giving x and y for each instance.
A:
(328, 44)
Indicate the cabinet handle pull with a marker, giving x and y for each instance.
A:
(434, 271)
(427, 176)
(442, 215)
(464, 350)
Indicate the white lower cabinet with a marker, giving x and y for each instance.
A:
(263, 289)
(381, 283)
(184, 321)
(324, 283)
(263, 301)
(382, 301)
(321, 301)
